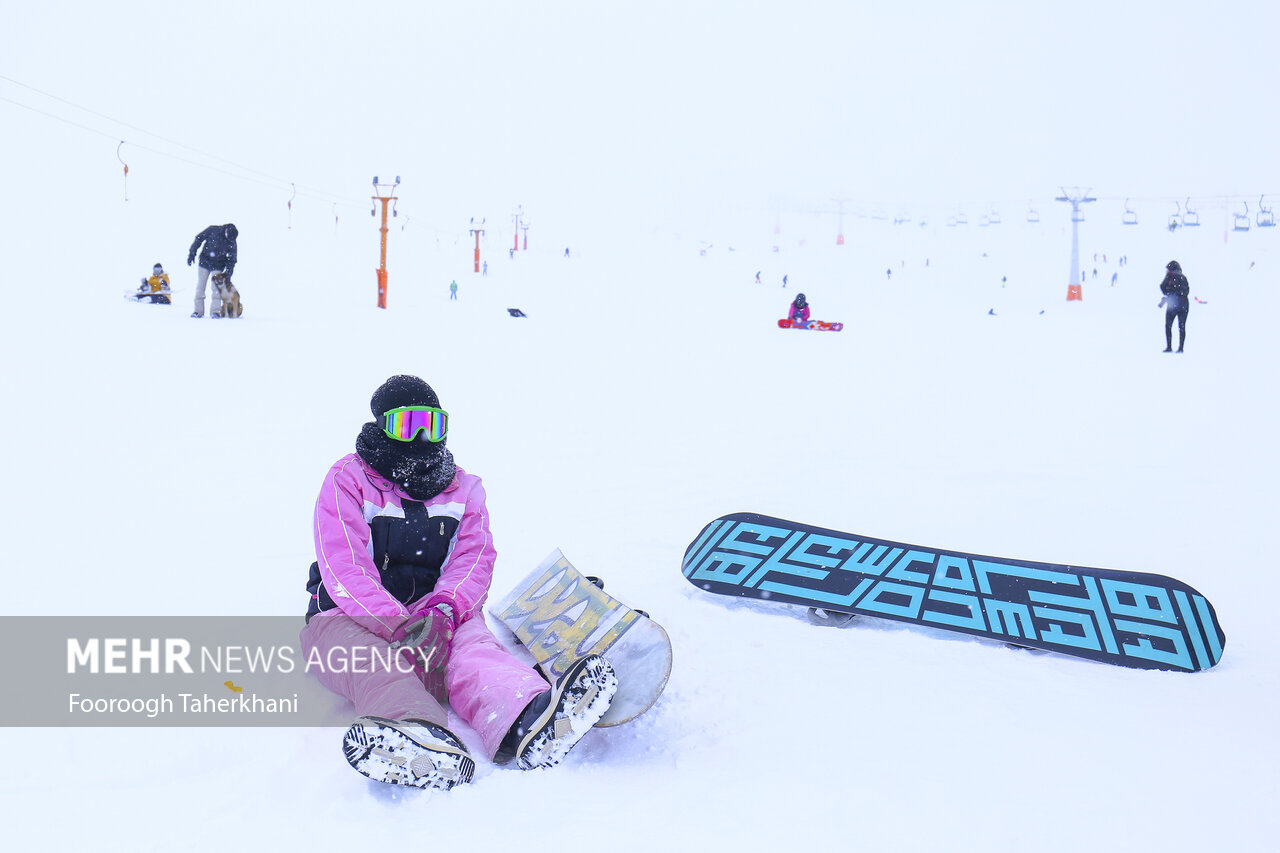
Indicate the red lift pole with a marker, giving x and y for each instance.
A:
(387, 198)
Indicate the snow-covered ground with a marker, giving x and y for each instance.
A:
(647, 392)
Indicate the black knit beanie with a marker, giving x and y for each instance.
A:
(423, 468)
(402, 391)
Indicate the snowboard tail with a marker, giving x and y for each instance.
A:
(560, 616)
(1132, 619)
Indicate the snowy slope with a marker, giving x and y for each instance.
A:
(647, 392)
(640, 398)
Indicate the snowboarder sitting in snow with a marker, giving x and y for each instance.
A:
(404, 562)
(156, 288)
(799, 314)
(1176, 290)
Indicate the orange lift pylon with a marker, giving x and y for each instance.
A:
(477, 230)
(387, 198)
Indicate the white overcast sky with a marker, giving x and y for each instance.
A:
(676, 104)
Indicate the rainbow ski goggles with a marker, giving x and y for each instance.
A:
(404, 423)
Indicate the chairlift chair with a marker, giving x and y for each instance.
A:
(1130, 218)
(1032, 215)
(1242, 219)
(994, 218)
(1266, 218)
(1191, 218)
(961, 220)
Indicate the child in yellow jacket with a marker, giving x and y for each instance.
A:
(156, 288)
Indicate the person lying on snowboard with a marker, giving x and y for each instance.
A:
(799, 314)
(156, 288)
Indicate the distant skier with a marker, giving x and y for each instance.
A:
(1114, 276)
(784, 281)
(453, 289)
(218, 255)
(799, 313)
(1176, 302)
(757, 276)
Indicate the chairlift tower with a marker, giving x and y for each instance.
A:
(477, 230)
(386, 198)
(1076, 197)
(839, 220)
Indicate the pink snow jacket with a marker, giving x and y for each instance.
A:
(378, 551)
(801, 314)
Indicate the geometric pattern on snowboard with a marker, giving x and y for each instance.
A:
(1131, 619)
(560, 617)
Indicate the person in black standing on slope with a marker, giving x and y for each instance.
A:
(218, 255)
(1176, 301)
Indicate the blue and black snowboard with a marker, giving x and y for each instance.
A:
(1131, 619)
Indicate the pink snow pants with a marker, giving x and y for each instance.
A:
(488, 686)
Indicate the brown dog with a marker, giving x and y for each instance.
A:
(230, 297)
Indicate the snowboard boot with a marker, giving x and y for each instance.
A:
(556, 720)
(407, 752)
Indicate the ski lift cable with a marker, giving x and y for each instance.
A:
(274, 184)
(309, 190)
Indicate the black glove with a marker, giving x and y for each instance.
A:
(191, 260)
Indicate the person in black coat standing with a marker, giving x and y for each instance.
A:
(1176, 301)
(218, 255)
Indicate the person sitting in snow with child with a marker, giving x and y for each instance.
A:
(404, 562)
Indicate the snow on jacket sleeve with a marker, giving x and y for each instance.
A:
(196, 243)
(469, 569)
(345, 559)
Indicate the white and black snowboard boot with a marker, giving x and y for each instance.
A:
(407, 752)
(556, 720)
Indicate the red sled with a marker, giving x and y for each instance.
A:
(811, 325)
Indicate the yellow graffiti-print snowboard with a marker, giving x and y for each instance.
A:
(560, 616)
